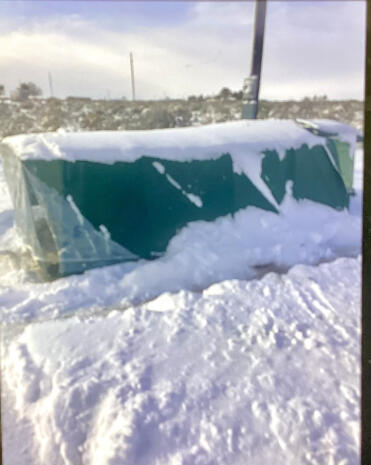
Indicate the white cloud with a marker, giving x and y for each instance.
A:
(309, 49)
(320, 48)
(219, 14)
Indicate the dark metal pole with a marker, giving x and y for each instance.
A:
(260, 12)
(252, 84)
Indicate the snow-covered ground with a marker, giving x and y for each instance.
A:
(255, 372)
(230, 349)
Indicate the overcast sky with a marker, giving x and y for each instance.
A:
(182, 48)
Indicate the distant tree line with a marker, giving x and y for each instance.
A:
(224, 94)
(228, 94)
(24, 91)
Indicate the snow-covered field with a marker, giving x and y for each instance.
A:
(230, 349)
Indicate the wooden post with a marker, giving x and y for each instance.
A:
(132, 76)
(50, 84)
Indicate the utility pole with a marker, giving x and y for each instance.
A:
(132, 76)
(251, 85)
(50, 84)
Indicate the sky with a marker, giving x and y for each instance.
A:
(182, 48)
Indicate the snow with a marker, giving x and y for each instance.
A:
(159, 167)
(244, 140)
(265, 371)
(202, 253)
(75, 208)
(239, 345)
(195, 199)
(239, 138)
(346, 131)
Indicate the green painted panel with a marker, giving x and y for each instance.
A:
(341, 153)
(312, 173)
(80, 215)
(144, 204)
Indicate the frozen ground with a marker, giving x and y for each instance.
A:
(206, 365)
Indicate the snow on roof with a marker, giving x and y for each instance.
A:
(204, 142)
(240, 139)
(345, 132)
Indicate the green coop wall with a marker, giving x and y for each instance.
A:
(82, 214)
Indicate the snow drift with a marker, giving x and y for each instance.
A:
(265, 371)
(93, 199)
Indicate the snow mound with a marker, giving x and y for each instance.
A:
(243, 247)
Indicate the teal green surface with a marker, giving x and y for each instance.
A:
(80, 215)
(140, 207)
(345, 163)
(312, 174)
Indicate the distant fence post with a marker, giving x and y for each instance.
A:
(51, 91)
(132, 76)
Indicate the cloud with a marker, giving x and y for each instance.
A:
(321, 49)
(310, 48)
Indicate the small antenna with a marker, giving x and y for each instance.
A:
(132, 76)
(50, 84)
